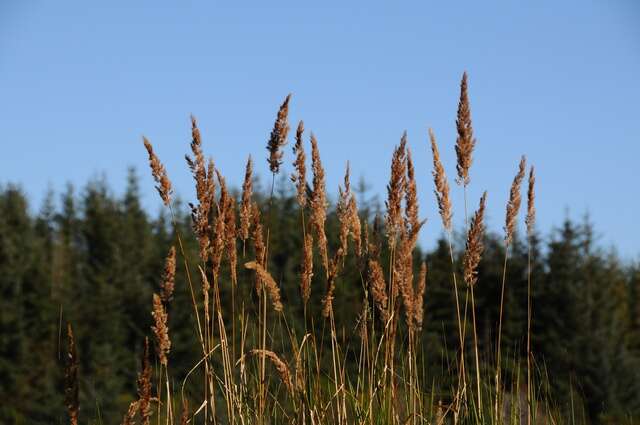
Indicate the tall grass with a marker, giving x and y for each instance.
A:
(257, 369)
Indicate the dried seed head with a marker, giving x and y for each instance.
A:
(278, 137)
(307, 268)
(71, 379)
(319, 203)
(513, 206)
(230, 234)
(465, 141)
(344, 217)
(144, 386)
(474, 246)
(327, 300)
(442, 186)
(204, 177)
(160, 330)
(378, 288)
(169, 275)
(219, 237)
(403, 277)
(245, 206)
(300, 176)
(131, 413)
(257, 235)
(281, 367)
(395, 190)
(412, 220)
(531, 196)
(354, 225)
(419, 298)
(266, 279)
(159, 174)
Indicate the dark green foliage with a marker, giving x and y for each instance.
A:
(94, 260)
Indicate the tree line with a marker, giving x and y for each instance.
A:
(93, 259)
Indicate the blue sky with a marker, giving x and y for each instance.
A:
(80, 82)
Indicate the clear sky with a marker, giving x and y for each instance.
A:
(81, 81)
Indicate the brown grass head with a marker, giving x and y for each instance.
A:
(395, 190)
(129, 417)
(159, 174)
(300, 176)
(355, 225)
(71, 379)
(413, 223)
(441, 184)
(245, 205)
(344, 215)
(474, 246)
(378, 287)
(513, 206)
(530, 220)
(230, 234)
(168, 277)
(278, 137)
(144, 386)
(465, 141)
(257, 234)
(204, 176)
(160, 330)
(307, 268)
(219, 237)
(419, 298)
(267, 280)
(319, 203)
(279, 364)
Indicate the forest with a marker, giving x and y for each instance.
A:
(93, 259)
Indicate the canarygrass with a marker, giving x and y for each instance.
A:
(321, 377)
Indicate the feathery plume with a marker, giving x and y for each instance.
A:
(355, 225)
(378, 288)
(513, 206)
(395, 190)
(344, 216)
(319, 203)
(144, 386)
(474, 246)
(281, 367)
(465, 141)
(403, 278)
(300, 176)
(159, 173)
(257, 235)
(418, 302)
(219, 237)
(412, 220)
(271, 285)
(160, 329)
(307, 268)
(169, 275)
(278, 137)
(245, 206)
(204, 177)
(531, 196)
(442, 186)
(131, 413)
(327, 300)
(230, 234)
(71, 379)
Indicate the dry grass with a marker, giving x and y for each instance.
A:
(319, 389)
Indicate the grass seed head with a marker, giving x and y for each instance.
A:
(278, 137)
(465, 142)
